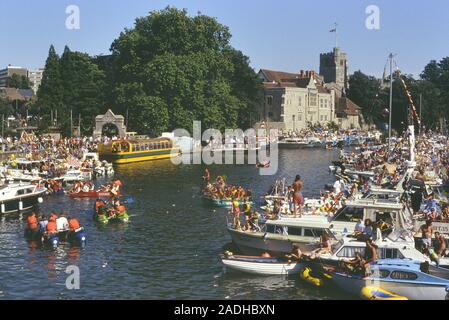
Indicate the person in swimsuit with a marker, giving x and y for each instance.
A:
(298, 199)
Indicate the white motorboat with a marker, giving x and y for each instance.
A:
(20, 197)
(412, 279)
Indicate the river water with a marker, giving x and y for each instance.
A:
(170, 247)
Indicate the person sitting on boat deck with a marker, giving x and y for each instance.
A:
(371, 254)
(73, 224)
(236, 213)
(367, 231)
(32, 222)
(295, 255)
(440, 244)
(298, 199)
(53, 216)
(51, 225)
(99, 203)
(325, 246)
(265, 255)
(43, 223)
(355, 265)
(426, 233)
(62, 223)
(359, 227)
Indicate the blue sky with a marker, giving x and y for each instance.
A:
(283, 35)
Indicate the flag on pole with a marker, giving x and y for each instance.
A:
(333, 30)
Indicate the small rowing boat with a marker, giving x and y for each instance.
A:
(226, 203)
(260, 265)
(104, 219)
(93, 194)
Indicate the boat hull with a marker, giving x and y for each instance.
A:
(412, 291)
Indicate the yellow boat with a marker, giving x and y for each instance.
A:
(306, 275)
(376, 293)
(127, 151)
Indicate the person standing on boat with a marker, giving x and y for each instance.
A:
(371, 254)
(43, 223)
(440, 246)
(298, 199)
(426, 233)
(206, 176)
(236, 213)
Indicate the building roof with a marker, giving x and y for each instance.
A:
(347, 107)
(280, 79)
(17, 94)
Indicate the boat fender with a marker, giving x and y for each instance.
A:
(3, 208)
(41, 200)
(20, 205)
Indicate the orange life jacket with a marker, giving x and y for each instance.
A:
(74, 224)
(121, 209)
(51, 226)
(32, 222)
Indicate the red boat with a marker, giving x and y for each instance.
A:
(93, 194)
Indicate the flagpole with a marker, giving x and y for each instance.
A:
(336, 35)
(391, 100)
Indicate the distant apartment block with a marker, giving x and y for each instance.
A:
(9, 71)
(35, 76)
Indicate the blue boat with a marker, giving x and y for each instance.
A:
(406, 278)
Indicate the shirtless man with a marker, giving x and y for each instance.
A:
(426, 233)
(440, 247)
(295, 255)
(298, 199)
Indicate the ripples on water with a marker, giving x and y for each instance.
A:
(170, 247)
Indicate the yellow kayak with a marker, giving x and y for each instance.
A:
(376, 293)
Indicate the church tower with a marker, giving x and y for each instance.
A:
(334, 68)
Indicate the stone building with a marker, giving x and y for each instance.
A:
(334, 68)
(295, 100)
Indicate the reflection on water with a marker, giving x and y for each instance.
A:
(170, 247)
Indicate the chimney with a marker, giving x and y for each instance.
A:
(301, 74)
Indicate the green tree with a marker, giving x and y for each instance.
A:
(50, 92)
(171, 69)
(366, 92)
(83, 85)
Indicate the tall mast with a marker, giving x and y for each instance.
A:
(391, 100)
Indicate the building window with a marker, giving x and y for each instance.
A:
(321, 118)
(293, 118)
(299, 101)
(312, 99)
(299, 117)
(270, 100)
(282, 100)
(270, 114)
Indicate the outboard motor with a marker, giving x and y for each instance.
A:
(52, 240)
(81, 237)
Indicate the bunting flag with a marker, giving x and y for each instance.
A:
(410, 99)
